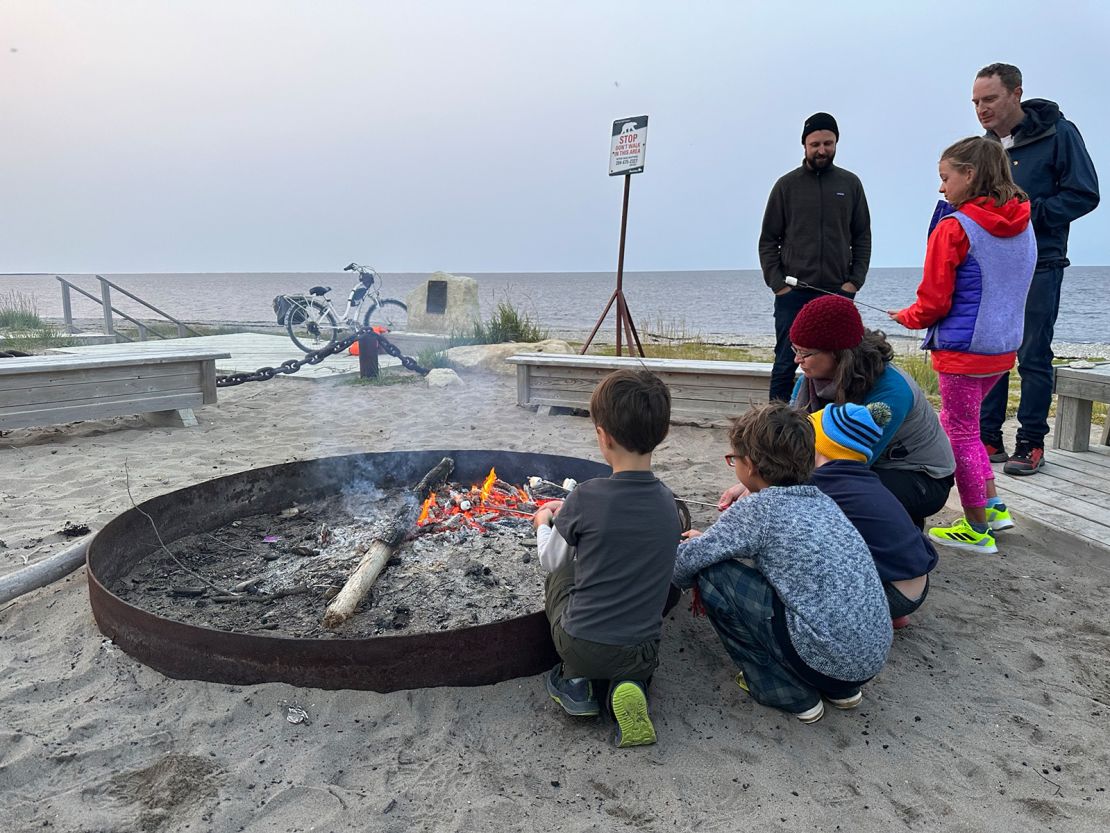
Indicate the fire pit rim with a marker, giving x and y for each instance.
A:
(469, 655)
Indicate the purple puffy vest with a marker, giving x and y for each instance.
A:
(988, 305)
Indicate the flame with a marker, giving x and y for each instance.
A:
(476, 506)
(491, 478)
(428, 504)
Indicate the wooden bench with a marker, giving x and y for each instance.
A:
(164, 387)
(1076, 390)
(700, 390)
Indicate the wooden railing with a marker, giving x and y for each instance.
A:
(105, 301)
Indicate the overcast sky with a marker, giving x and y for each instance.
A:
(261, 135)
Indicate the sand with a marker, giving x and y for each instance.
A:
(992, 713)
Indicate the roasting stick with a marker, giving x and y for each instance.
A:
(386, 541)
(791, 281)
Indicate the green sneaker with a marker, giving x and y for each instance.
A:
(962, 536)
(630, 710)
(999, 517)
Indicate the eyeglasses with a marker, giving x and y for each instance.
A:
(731, 459)
(802, 355)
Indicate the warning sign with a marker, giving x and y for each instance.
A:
(626, 153)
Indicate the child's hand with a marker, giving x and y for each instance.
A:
(691, 533)
(730, 495)
(543, 517)
(554, 506)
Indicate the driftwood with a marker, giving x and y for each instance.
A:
(387, 539)
(44, 572)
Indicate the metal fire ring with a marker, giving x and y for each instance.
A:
(478, 655)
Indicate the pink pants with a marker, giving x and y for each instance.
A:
(960, 398)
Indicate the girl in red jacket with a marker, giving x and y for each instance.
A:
(978, 267)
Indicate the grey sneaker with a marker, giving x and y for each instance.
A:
(574, 694)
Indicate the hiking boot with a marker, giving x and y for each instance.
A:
(574, 694)
(999, 517)
(809, 715)
(630, 710)
(1027, 459)
(996, 451)
(962, 536)
(849, 702)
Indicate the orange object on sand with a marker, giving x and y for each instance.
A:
(353, 349)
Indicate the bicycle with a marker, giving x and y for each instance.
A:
(312, 321)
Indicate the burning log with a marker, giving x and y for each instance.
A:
(387, 538)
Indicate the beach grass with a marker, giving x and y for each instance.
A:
(18, 312)
(507, 323)
(21, 328)
(431, 358)
(383, 380)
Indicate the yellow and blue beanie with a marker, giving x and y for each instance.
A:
(850, 431)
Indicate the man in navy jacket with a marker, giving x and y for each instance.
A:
(1050, 163)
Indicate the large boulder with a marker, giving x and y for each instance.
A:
(491, 357)
(443, 304)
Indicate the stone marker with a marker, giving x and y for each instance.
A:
(443, 304)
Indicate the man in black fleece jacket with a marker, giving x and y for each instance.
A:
(817, 229)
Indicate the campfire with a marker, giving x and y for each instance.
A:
(492, 502)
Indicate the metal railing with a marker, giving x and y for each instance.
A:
(105, 301)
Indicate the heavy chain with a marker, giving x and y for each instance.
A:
(317, 356)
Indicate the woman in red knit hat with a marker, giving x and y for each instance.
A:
(841, 361)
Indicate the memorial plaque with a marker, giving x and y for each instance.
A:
(437, 298)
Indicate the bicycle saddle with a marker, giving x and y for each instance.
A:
(319, 290)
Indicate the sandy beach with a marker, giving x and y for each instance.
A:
(993, 713)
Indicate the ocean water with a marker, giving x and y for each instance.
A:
(729, 305)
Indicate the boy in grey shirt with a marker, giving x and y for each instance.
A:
(610, 551)
(809, 619)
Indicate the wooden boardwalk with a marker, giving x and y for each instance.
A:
(1065, 504)
(1070, 494)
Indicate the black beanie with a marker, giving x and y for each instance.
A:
(820, 121)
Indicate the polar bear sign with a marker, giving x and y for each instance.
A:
(626, 152)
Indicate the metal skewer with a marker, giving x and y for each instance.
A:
(791, 281)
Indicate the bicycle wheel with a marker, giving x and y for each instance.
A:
(311, 325)
(388, 313)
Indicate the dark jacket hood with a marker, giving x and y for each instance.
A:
(1040, 119)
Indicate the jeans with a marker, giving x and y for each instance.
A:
(1042, 305)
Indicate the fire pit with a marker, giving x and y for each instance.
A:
(469, 655)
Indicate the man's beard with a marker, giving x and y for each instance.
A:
(819, 163)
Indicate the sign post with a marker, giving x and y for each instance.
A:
(626, 157)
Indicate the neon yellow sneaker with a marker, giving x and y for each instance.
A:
(630, 710)
(962, 536)
(999, 517)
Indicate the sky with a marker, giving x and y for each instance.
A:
(274, 135)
